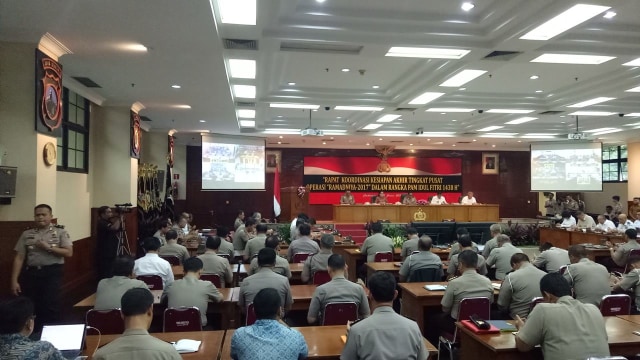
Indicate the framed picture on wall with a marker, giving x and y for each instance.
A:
(273, 160)
(490, 164)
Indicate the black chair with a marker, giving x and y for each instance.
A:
(425, 275)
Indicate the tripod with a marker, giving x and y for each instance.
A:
(123, 240)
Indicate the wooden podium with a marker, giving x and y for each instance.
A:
(405, 213)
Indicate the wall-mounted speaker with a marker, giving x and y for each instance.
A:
(8, 176)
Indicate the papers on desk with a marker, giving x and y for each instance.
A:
(398, 264)
(184, 346)
(496, 286)
(505, 326)
(436, 287)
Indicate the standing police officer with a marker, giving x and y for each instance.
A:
(44, 249)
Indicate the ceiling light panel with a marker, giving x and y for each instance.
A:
(388, 118)
(599, 130)
(635, 62)
(635, 89)
(462, 78)
(425, 98)
(499, 135)
(521, 120)
(246, 113)
(247, 123)
(632, 114)
(467, 6)
(281, 131)
(591, 113)
(509, 111)
(437, 134)
(372, 126)
(607, 132)
(244, 91)
(359, 108)
(242, 68)
(392, 133)
(294, 106)
(429, 53)
(450, 110)
(594, 101)
(238, 12)
(491, 128)
(564, 21)
(572, 59)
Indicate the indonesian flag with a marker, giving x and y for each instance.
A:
(276, 193)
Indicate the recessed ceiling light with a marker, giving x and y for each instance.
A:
(372, 126)
(534, 77)
(572, 59)
(282, 131)
(334, 132)
(246, 113)
(474, 140)
(462, 78)
(376, 86)
(466, 6)
(247, 123)
(425, 98)
(291, 83)
(279, 142)
(410, 144)
(392, 133)
(519, 141)
(520, 120)
(454, 120)
(133, 47)
(345, 70)
(566, 20)
(591, 113)
(509, 111)
(331, 138)
(609, 15)
(607, 132)
(175, 86)
(499, 135)
(450, 110)
(635, 62)
(359, 108)
(538, 91)
(338, 117)
(462, 89)
(493, 145)
(635, 89)
(437, 134)
(367, 144)
(239, 12)
(182, 106)
(244, 91)
(453, 145)
(320, 1)
(324, 143)
(280, 137)
(491, 128)
(279, 116)
(380, 139)
(594, 101)
(632, 114)
(429, 53)
(242, 68)
(314, 110)
(293, 106)
(388, 118)
(202, 121)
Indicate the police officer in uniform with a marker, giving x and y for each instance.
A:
(38, 265)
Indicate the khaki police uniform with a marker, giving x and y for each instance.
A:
(633, 210)
(567, 329)
(453, 265)
(110, 291)
(255, 245)
(490, 245)
(226, 248)
(173, 249)
(385, 335)
(265, 278)
(302, 245)
(469, 284)
(237, 224)
(409, 246)
(552, 259)
(338, 289)
(501, 258)
(587, 223)
(41, 278)
(315, 263)
(621, 254)
(190, 291)
(455, 249)
(376, 243)
(282, 267)
(344, 199)
(214, 264)
(240, 238)
(422, 260)
(631, 281)
(590, 281)
(519, 288)
(135, 344)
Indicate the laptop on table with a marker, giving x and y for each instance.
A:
(69, 339)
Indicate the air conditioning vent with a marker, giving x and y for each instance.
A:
(470, 133)
(406, 109)
(502, 55)
(245, 104)
(343, 49)
(463, 142)
(551, 112)
(144, 118)
(86, 82)
(240, 44)
(396, 141)
(363, 131)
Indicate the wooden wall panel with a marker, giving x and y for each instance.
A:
(510, 188)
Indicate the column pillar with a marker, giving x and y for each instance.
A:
(633, 161)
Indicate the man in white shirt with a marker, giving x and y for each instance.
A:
(469, 199)
(585, 221)
(636, 223)
(604, 224)
(152, 264)
(568, 221)
(438, 199)
(624, 224)
(294, 227)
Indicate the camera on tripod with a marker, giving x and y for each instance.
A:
(123, 208)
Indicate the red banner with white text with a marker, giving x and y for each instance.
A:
(327, 178)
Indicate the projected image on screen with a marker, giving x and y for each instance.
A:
(232, 163)
(566, 167)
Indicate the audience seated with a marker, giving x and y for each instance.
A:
(455, 247)
(564, 327)
(282, 265)
(268, 337)
(303, 244)
(339, 289)
(466, 244)
(265, 278)
(620, 253)
(191, 291)
(411, 244)
(18, 321)
(590, 280)
(239, 220)
(631, 281)
(424, 259)
(110, 290)
(214, 264)
(385, 334)
(551, 258)
(136, 343)
(172, 248)
(318, 261)
(519, 287)
(254, 245)
(152, 264)
(226, 246)
(376, 242)
(495, 230)
(163, 228)
(243, 234)
(501, 256)
(605, 224)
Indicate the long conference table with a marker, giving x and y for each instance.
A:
(596, 249)
(405, 213)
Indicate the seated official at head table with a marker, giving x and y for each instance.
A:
(409, 199)
(605, 225)
(438, 199)
(18, 321)
(347, 198)
(381, 199)
(568, 221)
(468, 199)
(585, 221)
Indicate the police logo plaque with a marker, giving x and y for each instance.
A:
(48, 95)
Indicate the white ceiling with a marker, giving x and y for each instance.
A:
(185, 41)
